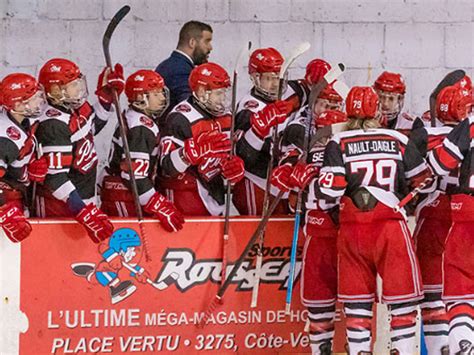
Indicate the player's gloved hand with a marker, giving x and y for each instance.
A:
(14, 223)
(142, 277)
(270, 116)
(171, 219)
(116, 262)
(109, 80)
(37, 169)
(280, 177)
(233, 169)
(211, 144)
(302, 174)
(96, 223)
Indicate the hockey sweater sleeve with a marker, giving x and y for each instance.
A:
(292, 146)
(454, 148)
(101, 117)
(176, 131)
(8, 154)
(55, 138)
(141, 142)
(332, 179)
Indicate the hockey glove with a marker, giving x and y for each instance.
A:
(37, 169)
(302, 175)
(233, 169)
(169, 216)
(211, 144)
(109, 80)
(14, 223)
(281, 177)
(96, 223)
(270, 116)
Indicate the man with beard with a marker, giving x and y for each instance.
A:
(194, 46)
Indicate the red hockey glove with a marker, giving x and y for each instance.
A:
(116, 262)
(142, 277)
(169, 216)
(281, 177)
(211, 144)
(302, 175)
(37, 169)
(14, 223)
(270, 116)
(96, 223)
(233, 169)
(109, 80)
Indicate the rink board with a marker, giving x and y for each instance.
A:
(67, 313)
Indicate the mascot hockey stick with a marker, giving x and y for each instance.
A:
(322, 133)
(158, 285)
(316, 89)
(123, 128)
(450, 79)
(228, 196)
(295, 53)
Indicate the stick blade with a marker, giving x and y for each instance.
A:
(295, 53)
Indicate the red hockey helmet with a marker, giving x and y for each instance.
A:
(362, 102)
(330, 117)
(58, 71)
(141, 88)
(315, 71)
(330, 94)
(390, 82)
(67, 76)
(210, 84)
(22, 89)
(452, 105)
(265, 60)
(210, 76)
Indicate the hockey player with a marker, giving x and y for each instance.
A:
(368, 169)
(319, 271)
(22, 99)
(390, 88)
(257, 114)
(195, 146)
(434, 219)
(148, 98)
(455, 153)
(66, 133)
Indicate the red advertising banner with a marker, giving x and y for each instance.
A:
(79, 299)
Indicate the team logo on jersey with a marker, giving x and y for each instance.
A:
(52, 112)
(146, 121)
(315, 220)
(456, 206)
(251, 104)
(183, 108)
(13, 133)
(120, 270)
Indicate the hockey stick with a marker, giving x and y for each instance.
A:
(39, 154)
(450, 79)
(225, 237)
(295, 53)
(322, 133)
(413, 193)
(122, 126)
(315, 92)
(158, 285)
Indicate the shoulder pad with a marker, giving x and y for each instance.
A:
(187, 110)
(135, 118)
(53, 113)
(10, 131)
(251, 103)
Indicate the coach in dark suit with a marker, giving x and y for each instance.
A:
(193, 48)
